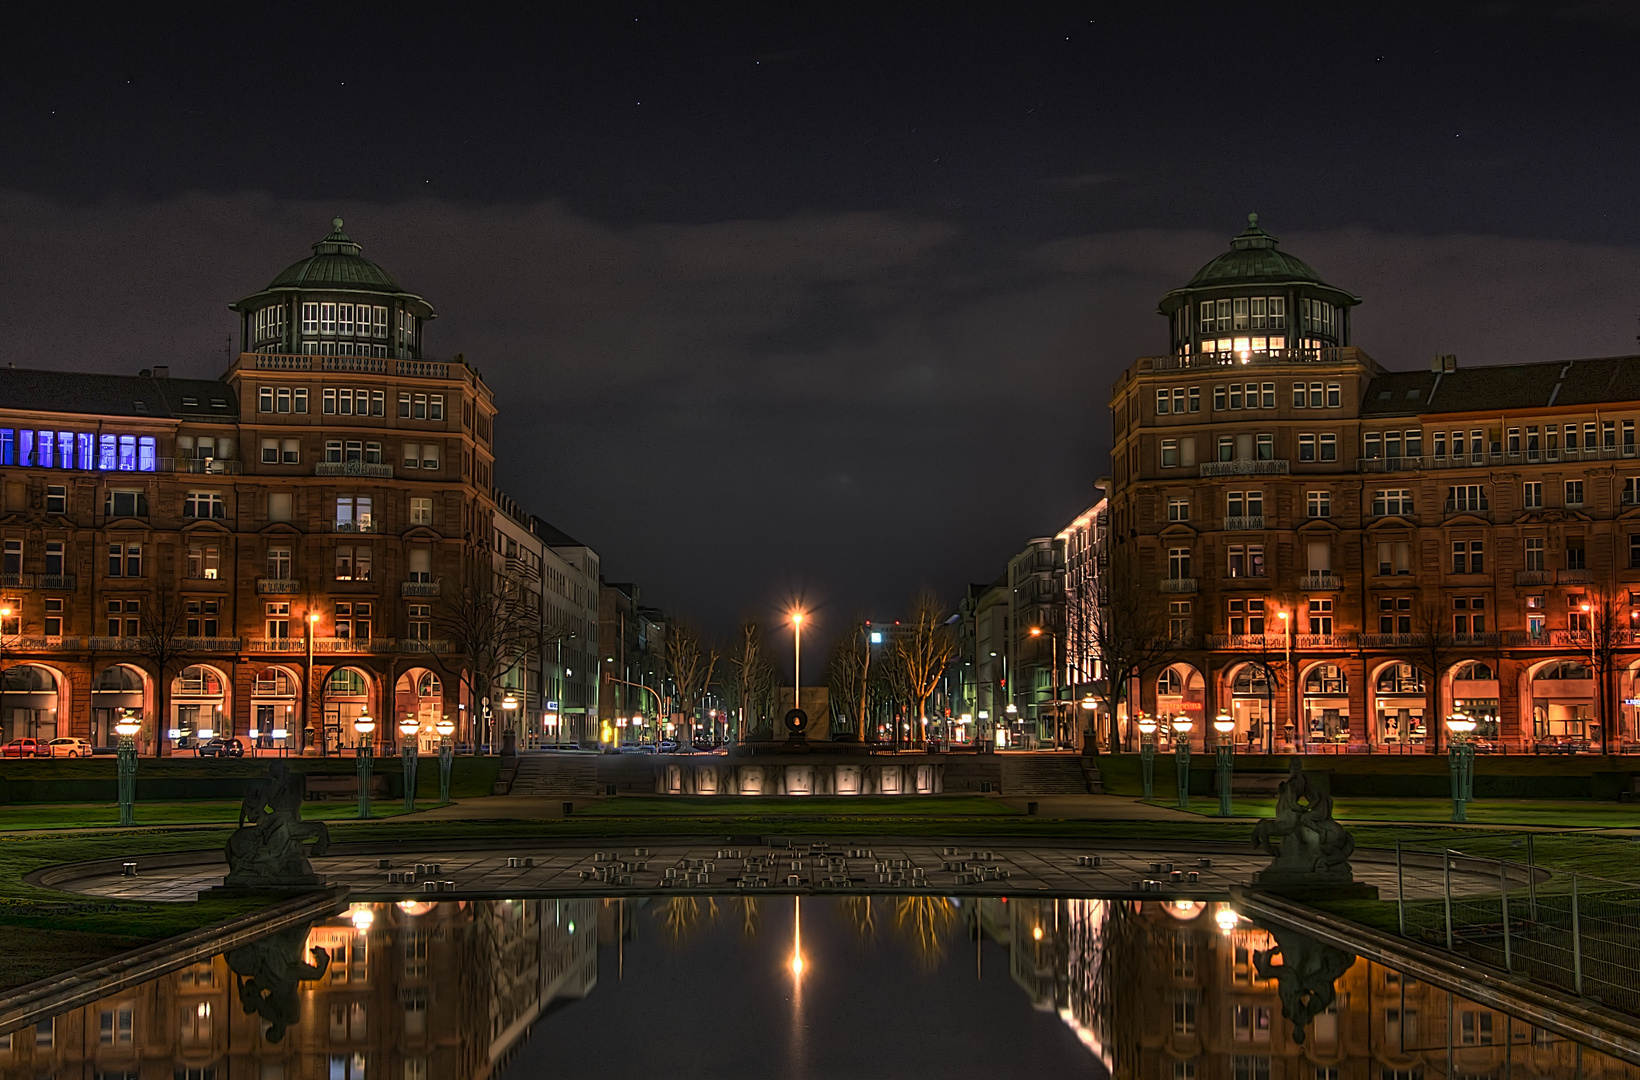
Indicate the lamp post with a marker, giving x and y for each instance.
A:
(1053, 659)
(1090, 741)
(509, 719)
(446, 753)
(1181, 752)
(797, 661)
(1292, 717)
(1147, 752)
(408, 729)
(1461, 757)
(366, 728)
(1224, 760)
(484, 726)
(127, 730)
(307, 685)
(1012, 712)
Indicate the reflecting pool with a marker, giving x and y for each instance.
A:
(779, 986)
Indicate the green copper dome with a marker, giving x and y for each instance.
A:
(335, 264)
(1253, 259)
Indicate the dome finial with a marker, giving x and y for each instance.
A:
(1252, 220)
(336, 223)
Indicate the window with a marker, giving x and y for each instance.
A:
(353, 620)
(421, 511)
(1335, 396)
(344, 319)
(1227, 448)
(277, 620)
(124, 560)
(435, 407)
(420, 622)
(1246, 560)
(353, 513)
(1329, 447)
(1395, 617)
(1220, 401)
(1178, 509)
(1634, 551)
(1300, 398)
(310, 318)
(1392, 502)
(1318, 504)
(1246, 616)
(1316, 398)
(1628, 438)
(327, 318)
(1321, 615)
(1373, 446)
(1574, 493)
(1266, 448)
(1249, 1066)
(116, 1026)
(129, 626)
(56, 499)
(1163, 398)
(204, 504)
(1577, 556)
(278, 563)
(1534, 552)
(1195, 399)
(204, 561)
(1184, 1008)
(202, 618)
(1170, 454)
(1178, 621)
(1468, 615)
(291, 452)
(1466, 497)
(1468, 557)
(54, 616)
(1306, 448)
(353, 563)
(270, 451)
(121, 503)
(1394, 557)
(1476, 1027)
(279, 506)
(1532, 495)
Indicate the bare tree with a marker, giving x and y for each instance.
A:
(1606, 629)
(493, 624)
(752, 679)
(691, 664)
(1432, 650)
(925, 645)
(1128, 631)
(849, 675)
(894, 690)
(161, 643)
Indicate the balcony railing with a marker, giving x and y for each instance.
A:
(115, 644)
(1246, 521)
(411, 645)
(355, 645)
(1393, 641)
(353, 468)
(1255, 642)
(1178, 585)
(44, 644)
(373, 365)
(1467, 506)
(1534, 577)
(1513, 457)
(418, 588)
(1244, 467)
(1178, 361)
(278, 585)
(211, 466)
(366, 526)
(1320, 581)
(17, 581)
(209, 644)
(1323, 641)
(1477, 641)
(527, 570)
(1574, 577)
(364, 365)
(424, 369)
(276, 645)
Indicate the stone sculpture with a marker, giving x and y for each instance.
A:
(267, 853)
(1306, 978)
(1314, 851)
(269, 969)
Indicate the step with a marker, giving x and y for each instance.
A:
(548, 774)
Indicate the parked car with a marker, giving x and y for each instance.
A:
(1560, 744)
(70, 747)
(21, 748)
(220, 747)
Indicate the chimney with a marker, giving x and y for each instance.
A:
(144, 373)
(162, 371)
(1445, 362)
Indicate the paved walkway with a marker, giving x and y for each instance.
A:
(530, 868)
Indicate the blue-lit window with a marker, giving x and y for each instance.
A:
(25, 447)
(105, 453)
(145, 454)
(128, 453)
(8, 446)
(65, 449)
(88, 457)
(46, 444)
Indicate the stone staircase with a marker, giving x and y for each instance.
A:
(555, 774)
(1056, 774)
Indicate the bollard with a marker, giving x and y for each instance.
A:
(569, 808)
(1030, 808)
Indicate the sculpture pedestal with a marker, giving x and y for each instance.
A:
(283, 887)
(1306, 887)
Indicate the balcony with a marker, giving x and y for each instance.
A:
(1393, 641)
(353, 468)
(1252, 642)
(208, 644)
(1269, 467)
(424, 369)
(418, 588)
(1320, 581)
(411, 645)
(1477, 641)
(1534, 577)
(210, 466)
(1249, 521)
(278, 586)
(1322, 641)
(17, 581)
(1178, 585)
(276, 645)
(115, 644)
(44, 644)
(525, 569)
(365, 526)
(1574, 577)
(1269, 357)
(363, 365)
(355, 645)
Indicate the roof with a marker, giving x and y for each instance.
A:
(335, 263)
(552, 535)
(193, 400)
(1255, 258)
(1558, 383)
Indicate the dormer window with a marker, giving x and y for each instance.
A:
(190, 403)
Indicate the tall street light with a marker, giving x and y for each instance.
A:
(1461, 759)
(408, 730)
(307, 687)
(1181, 754)
(1292, 717)
(797, 659)
(127, 730)
(1147, 751)
(509, 714)
(1090, 740)
(366, 727)
(1225, 726)
(446, 754)
(1053, 658)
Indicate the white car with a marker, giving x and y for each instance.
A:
(68, 747)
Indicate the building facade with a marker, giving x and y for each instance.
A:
(271, 554)
(1342, 556)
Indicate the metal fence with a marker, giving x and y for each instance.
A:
(1576, 932)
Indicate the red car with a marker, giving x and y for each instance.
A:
(20, 748)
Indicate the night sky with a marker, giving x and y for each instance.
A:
(784, 301)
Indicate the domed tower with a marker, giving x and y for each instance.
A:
(1256, 299)
(335, 302)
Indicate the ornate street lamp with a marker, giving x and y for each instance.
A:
(1461, 758)
(1147, 751)
(127, 730)
(446, 753)
(366, 727)
(408, 730)
(1181, 752)
(1224, 725)
(1090, 740)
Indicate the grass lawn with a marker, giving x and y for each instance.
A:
(1569, 813)
(776, 806)
(21, 816)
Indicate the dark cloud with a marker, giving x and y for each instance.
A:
(834, 406)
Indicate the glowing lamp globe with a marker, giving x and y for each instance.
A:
(1183, 724)
(1147, 725)
(444, 727)
(127, 726)
(1223, 724)
(365, 724)
(408, 727)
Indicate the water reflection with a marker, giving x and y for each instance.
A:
(770, 986)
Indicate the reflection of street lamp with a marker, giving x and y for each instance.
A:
(127, 729)
(1147, 750)
(446, 753)
(366, 727)
(408, 729)
(1461, 758)
(1181, 752)
(1224, 725)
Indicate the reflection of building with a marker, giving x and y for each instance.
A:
(1300, 516)
(424, 992)
(1036, 577)
(284, 542)
(1087, 557)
